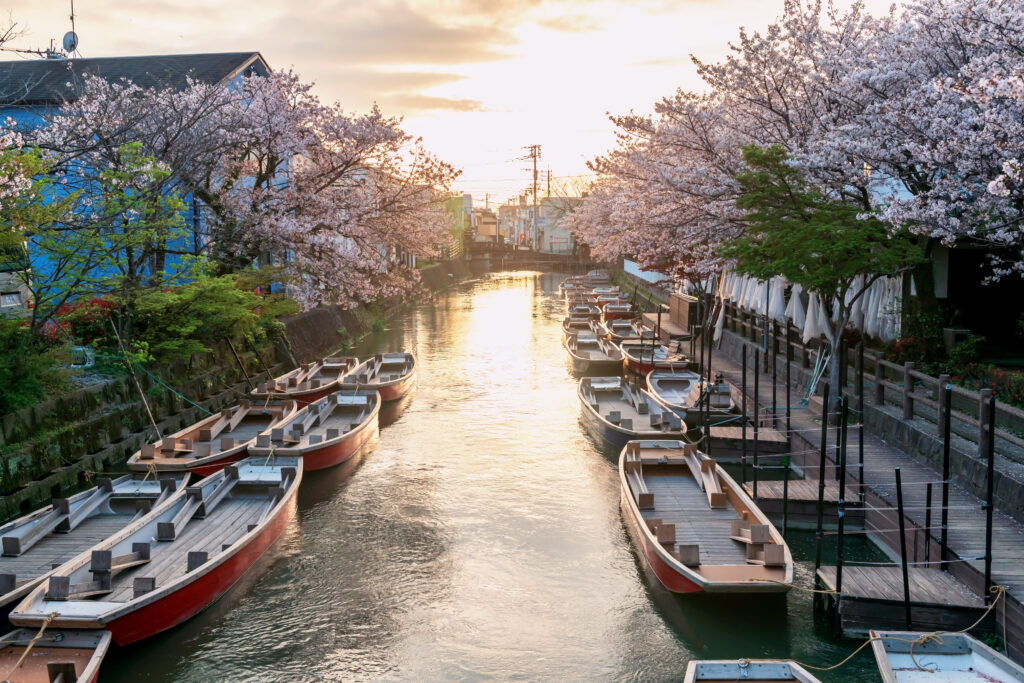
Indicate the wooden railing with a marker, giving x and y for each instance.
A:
(920, 395)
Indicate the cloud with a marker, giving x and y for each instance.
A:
(571, 23)
(663, 61)
(417, 103)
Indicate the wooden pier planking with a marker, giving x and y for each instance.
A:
(803, 502)
(872, 598)
(727, 443)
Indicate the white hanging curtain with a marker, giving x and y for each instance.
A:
(795, 309)
(719, 325)
(857, 309)
(811, 323)
(777, 306)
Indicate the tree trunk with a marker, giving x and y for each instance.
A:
(836, 373)
(924, 282)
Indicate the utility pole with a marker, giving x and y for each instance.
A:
(533, 152)
(549, 182)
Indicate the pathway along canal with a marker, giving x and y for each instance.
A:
(480, 539)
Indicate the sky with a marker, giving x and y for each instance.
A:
(479, 80)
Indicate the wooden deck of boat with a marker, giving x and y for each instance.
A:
(608, 403)
(679, 500)
(169, 559)
(59, 548)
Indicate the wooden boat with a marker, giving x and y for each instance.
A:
(571, 325)
(34, 544)
(695, 526)
(583, 311)
(327, 432)
(622, 329)
(617, 310)
(747, 670)
(640, 357)
(213, 442)
(614, 411)
(597, 278)
(166, 568)
(592, 354)
(65, 656)
(682, 392)
(392, 374)
(308, 382)
(904, 656)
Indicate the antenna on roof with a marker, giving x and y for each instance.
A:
(71, 38)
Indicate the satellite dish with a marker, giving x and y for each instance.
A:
(70, 42)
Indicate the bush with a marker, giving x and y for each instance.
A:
(29, 367)
(177, 322)
(1007, 385)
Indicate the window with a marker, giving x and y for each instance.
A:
(10, 299)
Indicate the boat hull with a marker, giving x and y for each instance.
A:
(393, 392)
(585, 366)
(195, 596)
(339, 451)
(667, 576)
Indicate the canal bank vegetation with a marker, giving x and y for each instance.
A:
(916, 148)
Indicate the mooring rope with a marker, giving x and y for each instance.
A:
(31, 644)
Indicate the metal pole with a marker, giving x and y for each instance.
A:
(757, 411)
(821, 480)
(775, 388)
(707, 420)
(990, 447)
(927, 524)
(789, 362)
(860, 412)
(841, 504)
(944, 538)
(743, 421)
(903, 550)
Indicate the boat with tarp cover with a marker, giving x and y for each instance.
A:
(213, 442)
(165, 568)
(696, 528)
(641, 356)
(618, 330)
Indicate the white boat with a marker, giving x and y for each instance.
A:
(747, 670)
(912, 656)
(592, 354)
(614, 411)
(684, 392)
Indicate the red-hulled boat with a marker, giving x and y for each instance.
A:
(617, 310)
(392, 374)
(65, 656)
(327, 432)
(308, 382)
(695, 526)
(166, 568)
(213, 442)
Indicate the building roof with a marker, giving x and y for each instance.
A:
(46, 81)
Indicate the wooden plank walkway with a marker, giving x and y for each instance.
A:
(966, 511)
(802, 509)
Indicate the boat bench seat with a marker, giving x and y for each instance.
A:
(614, 417)
(644, 498)
(665, 533)
(688, 554)
(626, 423)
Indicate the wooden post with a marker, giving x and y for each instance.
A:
(860, 428)
(707, 419)
(943, 416)
(987, 423)
(238, 360)
(757, 419)
(821, 480)
(908, 391)
(879, 378)
(903, 551)
(927, 524)
(743, 412)
(944, 538)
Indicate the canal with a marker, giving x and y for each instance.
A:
(481, 538)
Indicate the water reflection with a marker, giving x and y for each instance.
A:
(481, 538)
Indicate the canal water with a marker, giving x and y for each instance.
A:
(480, 538)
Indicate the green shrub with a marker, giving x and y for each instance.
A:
(29, 368)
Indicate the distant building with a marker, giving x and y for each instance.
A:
(486, 226)
(463, 223)
(552, 235)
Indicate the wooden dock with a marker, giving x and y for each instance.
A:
(669, 330)
(727, 444)
(802, 510)
(872, 598)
